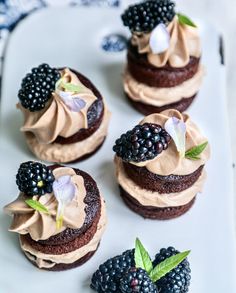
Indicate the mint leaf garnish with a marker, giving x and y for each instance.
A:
(70, 87)
(36, 205)
(183, 19)
(167, 265)
(193, 153)
(142, 258)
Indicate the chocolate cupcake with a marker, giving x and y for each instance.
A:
(59, 215)
(163, 61)
(160, 165)
(65, 118)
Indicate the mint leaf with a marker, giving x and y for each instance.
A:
(167, 265)
(68, 86)
(71, 87)
(193, 153)
(183, 19)
(36, 205)
(142, 258)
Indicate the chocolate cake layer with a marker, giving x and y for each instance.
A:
(166, 76)
(146, 109)
(92, 210)
(154, 213)
(94, 115)
(63, 267)
(162, 184)
(76, 243)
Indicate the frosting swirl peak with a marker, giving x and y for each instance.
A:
(169, 161)
(184, 43)
(57, 119)
(41, 225)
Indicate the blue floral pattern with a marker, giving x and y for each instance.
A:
(12, 11)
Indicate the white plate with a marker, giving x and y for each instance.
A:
(72, 37)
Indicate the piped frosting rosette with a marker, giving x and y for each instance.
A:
(40, 224)
(180, 43)
(170, 161)
(65, 113)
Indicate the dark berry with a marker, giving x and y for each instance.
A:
(177, 280)
(143, 142)
(107, 278)
(145, 16)
(34, 178)
(137, 280)
(37, 87)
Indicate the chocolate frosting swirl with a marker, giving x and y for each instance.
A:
(41, 225)
(57, 119)
(169, 161)
(184, 42)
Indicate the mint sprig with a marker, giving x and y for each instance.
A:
(183, 19)
(167, 265)
(194, 153)
(68, 86)
(142, 258)
(143, 261)
(36, 205)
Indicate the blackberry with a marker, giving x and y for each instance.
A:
(177, 280)
(34, 178)
(145, 16)
(37, 86)
(107, 278)
(143, 142)
(137, 280)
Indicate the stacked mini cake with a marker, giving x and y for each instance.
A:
(65, 118)
(59, 215)
(160, 165)
(163, 69)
